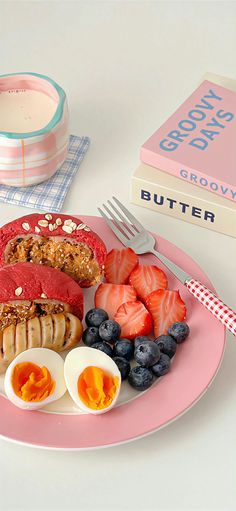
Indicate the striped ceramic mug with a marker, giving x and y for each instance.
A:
(34, 132)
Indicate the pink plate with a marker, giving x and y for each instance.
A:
(193, 369)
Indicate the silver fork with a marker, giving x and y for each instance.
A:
(132, 234)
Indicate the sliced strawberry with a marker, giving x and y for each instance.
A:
(110, 296)
(119, 264)
(146, 279)
(166, 307)
(134, 319)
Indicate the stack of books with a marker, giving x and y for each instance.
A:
(188, 166)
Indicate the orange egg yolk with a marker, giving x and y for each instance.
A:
(97, 388)
(31, 382)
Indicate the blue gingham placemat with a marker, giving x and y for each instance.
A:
(50, 195)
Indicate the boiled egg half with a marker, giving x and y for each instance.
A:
(92, 379)
(35, 378)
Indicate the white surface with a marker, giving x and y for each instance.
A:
(125, 67)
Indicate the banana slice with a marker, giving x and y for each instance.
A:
(59, 330)
(55, 331)
(8, 344)
(34, 333)
(20, 338)
(3, 362)
(46, 331)
(74, 331)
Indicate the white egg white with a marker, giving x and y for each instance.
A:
(42, 357)
(76, 361)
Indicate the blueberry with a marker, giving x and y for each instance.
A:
(123, 366)
(103, 346)
(162, 366)
(147, 354)
(95, 317)
(124, 348)
(179, 331)
(91, 335)
(138, 340)
(109, 331)
(140, 378)
(166, 344)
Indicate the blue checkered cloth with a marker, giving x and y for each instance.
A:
(50, 195)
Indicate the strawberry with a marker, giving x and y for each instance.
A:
(146, 279)
(166, 308)
(119, 264)
(134, 319)
(110, 296)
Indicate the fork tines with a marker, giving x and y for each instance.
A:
(123, 223)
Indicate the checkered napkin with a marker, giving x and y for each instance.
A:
(50, 195)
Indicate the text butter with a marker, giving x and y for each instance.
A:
(166, 194)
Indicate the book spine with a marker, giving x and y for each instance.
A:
(183, 207)
(188, 174)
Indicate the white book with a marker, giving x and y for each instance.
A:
(164, 193)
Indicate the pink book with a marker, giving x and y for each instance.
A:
(198, 142)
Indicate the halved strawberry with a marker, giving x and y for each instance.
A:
(119, 264)
(146, 279)
(110, 296)
(134, 320)
(166, 307)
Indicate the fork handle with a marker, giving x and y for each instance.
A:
(219, 309)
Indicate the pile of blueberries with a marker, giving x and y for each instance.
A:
(153, 357)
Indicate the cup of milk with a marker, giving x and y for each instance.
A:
(34, 133)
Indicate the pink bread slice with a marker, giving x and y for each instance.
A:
(27, 281)
(44, 231)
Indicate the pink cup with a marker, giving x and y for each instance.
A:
(35, 151)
